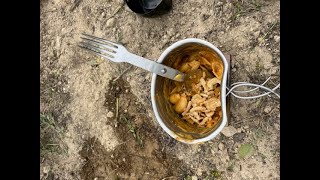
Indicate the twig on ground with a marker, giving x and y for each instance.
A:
(117, 108)
(116, 11)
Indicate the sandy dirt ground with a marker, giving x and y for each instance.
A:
(81, 138)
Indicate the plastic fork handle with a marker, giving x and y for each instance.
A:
(154, 67)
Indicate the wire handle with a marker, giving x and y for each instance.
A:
(257, 86)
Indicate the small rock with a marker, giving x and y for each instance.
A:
(95, 178)
(58, 42)
(127, 90)
(165, 38)
(212, 152)
(46, 169)
(148, 77)
(112, 156)
(221, 146)
(233, 69)
(238, 137)
(103, 15)
(229, 131)
(276, 38)
(111, 22)
(256, 34)
(124, 160)
(194, 178)
(170, 32)
(277, 126)
(110, 114)
(219, 4)
(239, 130)
(267, 109)
(199, 172)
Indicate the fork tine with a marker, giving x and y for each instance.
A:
(94, 52)
(97, 50)
(108, 47)
(103, 40)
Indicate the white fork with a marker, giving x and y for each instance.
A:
(118, 53)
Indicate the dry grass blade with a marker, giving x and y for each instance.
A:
(132, 129)
(50, 135)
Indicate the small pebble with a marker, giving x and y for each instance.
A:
(229, 131)
(219, 4)
(267, 109)
(111, 22)
(148, 77)
(103, 15)
(276, 38)
(221, 146)
(212, 151)
(256, 34)
(194, 178)
(110, 114)
(199, 172)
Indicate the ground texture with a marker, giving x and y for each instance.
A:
(80, 135)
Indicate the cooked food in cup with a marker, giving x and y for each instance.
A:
(197, 99)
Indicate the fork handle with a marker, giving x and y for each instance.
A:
(154, 67)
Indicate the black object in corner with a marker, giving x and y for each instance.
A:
(149, 8)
